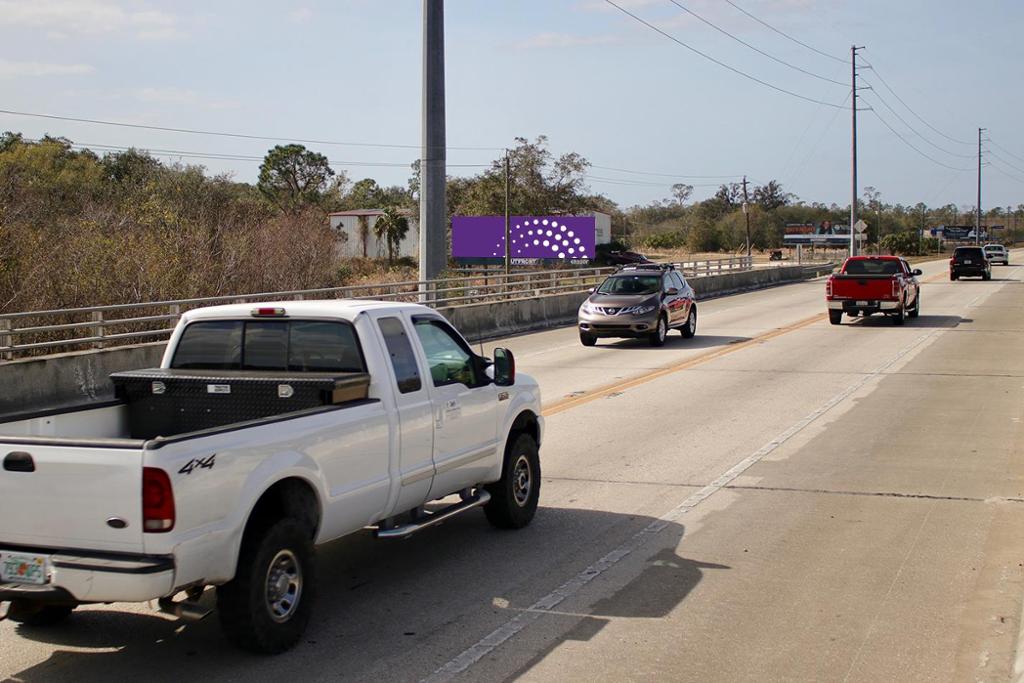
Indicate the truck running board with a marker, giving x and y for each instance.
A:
(432, 518)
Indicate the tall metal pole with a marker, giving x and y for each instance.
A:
(853, 149)
(508, 236)
(977, 214)
(746, 214)
(433, 209)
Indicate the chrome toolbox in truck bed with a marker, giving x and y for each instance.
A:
(165, 402)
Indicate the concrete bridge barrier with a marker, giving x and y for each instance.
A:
(72, 378)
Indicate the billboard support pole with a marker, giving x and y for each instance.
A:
(508, 236)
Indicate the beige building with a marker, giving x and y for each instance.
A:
(354, 230)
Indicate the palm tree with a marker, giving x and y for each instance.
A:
(391, 227)
(364, 231)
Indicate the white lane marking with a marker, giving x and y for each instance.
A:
(467, 658)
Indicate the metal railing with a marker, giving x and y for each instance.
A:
(38, 332)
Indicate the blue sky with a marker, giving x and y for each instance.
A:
(579, 71)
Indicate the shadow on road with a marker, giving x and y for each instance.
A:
(673, 342)
(386, 610)
(923, 321)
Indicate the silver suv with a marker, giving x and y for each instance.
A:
(641, 301)
(997, 253)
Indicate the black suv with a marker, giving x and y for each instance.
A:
(641, 301)
(969, 261)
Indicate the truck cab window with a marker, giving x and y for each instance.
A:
(269, 345)
(403, 360)
(449, 361)
(210, 345)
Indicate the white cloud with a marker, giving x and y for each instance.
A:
(9, 69)
(563, 40)
(300, 15)
(182, 97)
(89, 17)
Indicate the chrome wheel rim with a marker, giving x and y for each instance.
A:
(284, 586)
(662, 331)
(522, 481)
(692, 322)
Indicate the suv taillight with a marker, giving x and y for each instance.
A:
(157, 501)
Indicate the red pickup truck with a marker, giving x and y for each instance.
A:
(874, 284)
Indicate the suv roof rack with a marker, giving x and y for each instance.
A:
(647, 266)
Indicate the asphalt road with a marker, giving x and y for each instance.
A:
(775, 499)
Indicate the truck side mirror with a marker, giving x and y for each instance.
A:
(504, 368)
(916, 272)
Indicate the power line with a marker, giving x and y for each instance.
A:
(916, 115)
(1006, 151)
(786, 35)
(1008, 175)
(664, 175)
(754, 48)
(719, 63)
(234, 157)
(815, 115)
(913, 130)
(815, 147)
(223, 134)
(911, 146)
(1010, 164)
(638, 183)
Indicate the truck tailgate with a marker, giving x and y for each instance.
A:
(69, 496)
(869, 287)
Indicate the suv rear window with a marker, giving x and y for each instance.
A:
(967, 252)
(282, 345)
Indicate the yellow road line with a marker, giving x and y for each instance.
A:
(575, 401)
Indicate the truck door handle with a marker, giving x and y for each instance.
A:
(19, 461)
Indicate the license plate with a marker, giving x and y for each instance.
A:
(968, 261)
(24, 568)
(862, 303)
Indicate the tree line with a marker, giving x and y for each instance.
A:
(81, 229)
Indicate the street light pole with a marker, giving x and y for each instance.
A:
(433, 209)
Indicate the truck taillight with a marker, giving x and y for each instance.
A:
(895, 288)
(828, 286)
(157, 501)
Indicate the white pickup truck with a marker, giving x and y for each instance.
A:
(89, 514)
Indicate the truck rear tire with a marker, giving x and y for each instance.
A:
(38, 616)
(835, 317)
(900, 316)
(514, 497)
(266, 607)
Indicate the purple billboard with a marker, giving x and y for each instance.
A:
(482, 238)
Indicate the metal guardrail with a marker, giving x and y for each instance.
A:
(37, 332)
